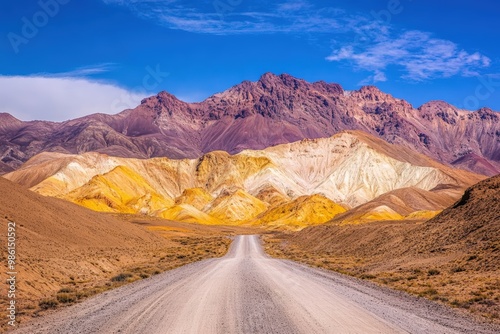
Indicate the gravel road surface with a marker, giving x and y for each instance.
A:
(248, 292)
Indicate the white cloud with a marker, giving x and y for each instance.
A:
(376, 77)
(62, 98)
(418, 55)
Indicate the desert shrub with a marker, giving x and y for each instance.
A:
(48, 303)
(83, 294)
(367, 276)
(433, 272)
(66, 298)
(121, 277)
(429, 292)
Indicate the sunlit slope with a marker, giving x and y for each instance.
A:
(406, 203)
(189, 214)
(300, 212)
(120, 190)
(54, 174)
(238, 206)
(348, 169)
(199, 198)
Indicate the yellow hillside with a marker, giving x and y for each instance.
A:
(237, 207)
(189, 214)
(120, 190)
(196, 197)
(218, 170)
(299, 213)
(379, 213)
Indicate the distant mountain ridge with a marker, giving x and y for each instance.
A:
(276, 109)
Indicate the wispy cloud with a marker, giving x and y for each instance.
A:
(293, 6)
(85, 71)
(79, 72)
(417, 55)
(222, 18)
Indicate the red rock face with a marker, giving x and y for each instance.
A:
(255, 115)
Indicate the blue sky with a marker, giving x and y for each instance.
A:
(61, 59)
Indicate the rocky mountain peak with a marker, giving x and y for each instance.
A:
(276, 109)
(436, 105)
(268, 77)
(164, 98)
(329, 88)
(487, 113)
(8, 122)
(271, 81)
(371, 93)
(8, 117)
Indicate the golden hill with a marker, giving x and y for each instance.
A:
(299, 213)
(120, 190)
(235, 207)
(196, 197)
(349, 169)
(189, 214)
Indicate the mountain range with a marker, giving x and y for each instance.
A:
(292, 185)
(277, 109)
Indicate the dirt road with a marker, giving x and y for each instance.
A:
(248, 292)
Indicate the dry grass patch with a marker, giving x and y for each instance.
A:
(458, 283)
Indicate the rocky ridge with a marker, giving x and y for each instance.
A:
(276, 109)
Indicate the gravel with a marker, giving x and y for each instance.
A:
(248, 292)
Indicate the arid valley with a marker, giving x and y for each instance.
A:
(229, 167)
